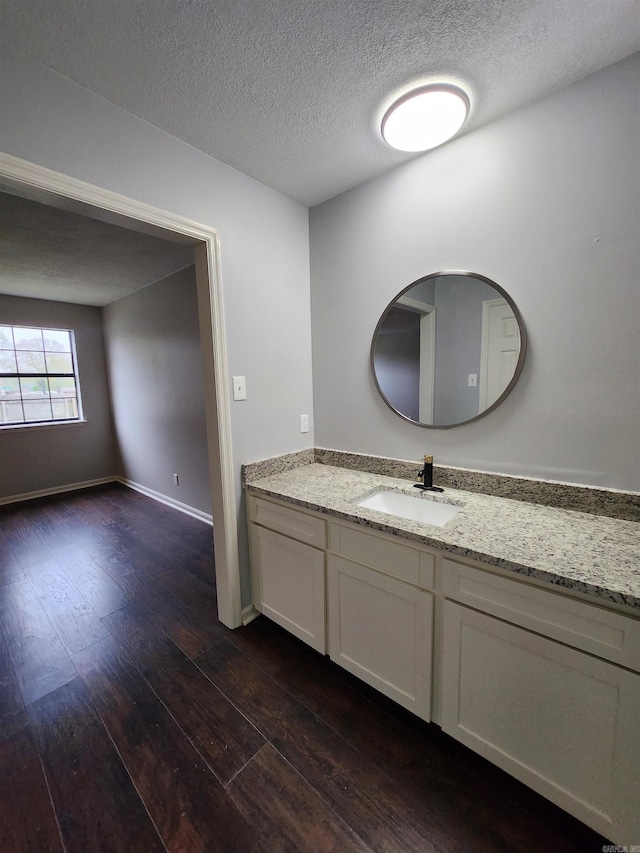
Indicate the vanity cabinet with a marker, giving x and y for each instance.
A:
(381, 613)
(381, 630)
(288, 574)
(541, 682)
(367, 606)
(561, 720)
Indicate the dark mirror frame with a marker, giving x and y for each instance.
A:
(519, 364)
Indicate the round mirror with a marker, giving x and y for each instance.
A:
(448, 349)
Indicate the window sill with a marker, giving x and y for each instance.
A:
(61, 425)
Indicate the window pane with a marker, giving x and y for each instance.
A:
(28, 338)
(7, 361)
(64, 401)
(35, 399)
(63, 386)
(59, 362)
(6, 337)
(65, 408)
(56, 340)
(10, 403)
(35, 396)
(30, 362)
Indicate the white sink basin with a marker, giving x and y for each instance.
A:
(411, 507)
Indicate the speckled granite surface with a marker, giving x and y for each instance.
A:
(615, 504)
(277, 464)
(596, 555)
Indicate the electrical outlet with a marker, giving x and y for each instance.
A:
(239, 388)
(304, 423)
(176, 481)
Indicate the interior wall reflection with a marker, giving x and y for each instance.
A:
(448, 349)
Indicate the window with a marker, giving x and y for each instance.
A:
(38, 376)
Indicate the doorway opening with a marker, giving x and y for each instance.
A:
(19, 177)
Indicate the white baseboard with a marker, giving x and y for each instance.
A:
(163, 499)
(102, 481)
(45, 493)
(249, 613)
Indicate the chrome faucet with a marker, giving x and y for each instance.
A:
(426, 475)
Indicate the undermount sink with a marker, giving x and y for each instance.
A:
(411, 507)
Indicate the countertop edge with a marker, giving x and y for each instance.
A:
(604, 595)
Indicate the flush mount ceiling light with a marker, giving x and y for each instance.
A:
(425, 117)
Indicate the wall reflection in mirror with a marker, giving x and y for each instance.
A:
(448, 349)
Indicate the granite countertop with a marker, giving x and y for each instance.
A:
(592, 554)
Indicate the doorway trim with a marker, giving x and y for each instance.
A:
(426, 397)
(29, 176)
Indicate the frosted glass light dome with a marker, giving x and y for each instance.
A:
(425, 118)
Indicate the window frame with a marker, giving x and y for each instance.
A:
(75, 375)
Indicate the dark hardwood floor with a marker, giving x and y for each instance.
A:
(132, 720)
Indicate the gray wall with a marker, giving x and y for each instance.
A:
(155, 373)
(545, 203)
(264, 240)
(397, 365)
(37, 458)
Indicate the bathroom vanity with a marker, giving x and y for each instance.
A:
(514, 626)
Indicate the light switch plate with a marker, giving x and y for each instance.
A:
(239, 388)
(473, 380)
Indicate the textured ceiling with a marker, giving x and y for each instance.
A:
(291, 91)
(46, 253)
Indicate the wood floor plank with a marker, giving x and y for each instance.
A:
(352, 785)
(175, 527)
(27, 820)
(450, 785)
(128, 549)
(422, 766)
(10, 568)
(113, 543)
(12, 714)
(100, 548)
(220, 733)
(201, 564)
(96, 507)
(172, 536)
(75, 622)
(282, 807)
(98, 589)
(26, 545)
(200, 538)
(79, 756)
(53, 530)
(270, 646)
(189, 632)
(186, 802)
(169, 532)
(62, 514)
(40, 661)
(191, 591)
(341, 758)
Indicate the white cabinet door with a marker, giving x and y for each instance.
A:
(561, 721)
(380, 629)
(289, 585)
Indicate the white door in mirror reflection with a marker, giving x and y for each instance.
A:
(499, 350)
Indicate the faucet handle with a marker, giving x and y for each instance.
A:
(427, 459)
